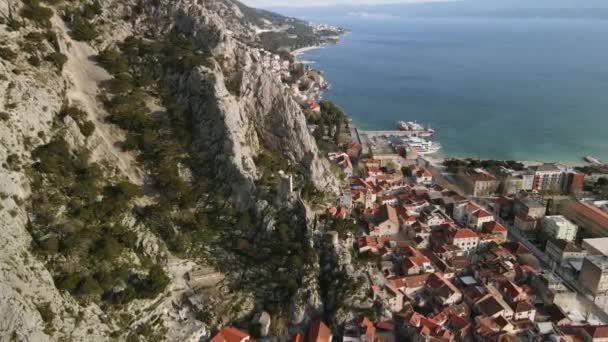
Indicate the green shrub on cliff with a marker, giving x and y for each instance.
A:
(57, 59)
(33, 10)
(83, 29)
(77, 212)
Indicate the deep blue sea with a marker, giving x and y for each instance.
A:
(525, 89)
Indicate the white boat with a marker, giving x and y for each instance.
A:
(592, 160)
(422, 146)
(415, 128)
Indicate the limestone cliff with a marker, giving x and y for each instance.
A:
(233, 125)
(262, 113)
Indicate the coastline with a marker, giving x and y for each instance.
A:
(440, 157)
(298, 52)
(522, 142)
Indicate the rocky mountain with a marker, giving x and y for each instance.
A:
(141, 142)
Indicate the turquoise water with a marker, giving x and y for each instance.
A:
(526, 89)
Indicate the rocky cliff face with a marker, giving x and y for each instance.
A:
(262, 113)
(233, 125)
(31, 308)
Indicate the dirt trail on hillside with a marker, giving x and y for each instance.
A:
(85, 77)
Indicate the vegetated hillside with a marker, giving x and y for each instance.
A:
(141, 140)
(273, 31)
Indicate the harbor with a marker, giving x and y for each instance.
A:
(409, 141)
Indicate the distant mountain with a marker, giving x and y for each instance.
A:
(468, 8)
(270, 30)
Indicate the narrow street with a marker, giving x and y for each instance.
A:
(585, 298)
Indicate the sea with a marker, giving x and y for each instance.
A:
(533, 89)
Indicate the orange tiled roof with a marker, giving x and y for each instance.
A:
(230, 334)
(493, 227)
(464, 233)
(319, 332)
(598, 331)
(481, 213)
(593, 213)
(388, 213)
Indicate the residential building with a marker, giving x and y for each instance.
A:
(433, 216)
(594, 274)
(414, 262)
(503, 207)
(421, 329)
(423, 176)
(394, 298)
(460, 207)
(596, 246)
(493, 306)
(547, 286)
(523, 310)
(527, 181)
(511, 185)
(411, 285)
(442, 291)
(510, 291)
(527, 206)
(592, 221)
(525, 224)
(368, 243)
(478, 182)
(466, 239)
(562, 251)
(497, 230)
(548, 177)
(574, 182)
(478, 218)
(386, 222)
(558, 227)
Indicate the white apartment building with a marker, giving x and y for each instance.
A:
(558, 227)
(548, 177)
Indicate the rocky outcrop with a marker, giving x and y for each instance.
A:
(234, 127)
(31, 308)
(234, 123)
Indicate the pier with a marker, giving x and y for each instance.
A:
(396, 133)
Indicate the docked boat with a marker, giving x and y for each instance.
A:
(415, 129)
(422, 146)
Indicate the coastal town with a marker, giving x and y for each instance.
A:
(473, 254)
(456, 249)
(176, 171)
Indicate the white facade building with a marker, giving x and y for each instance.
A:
(558, 227)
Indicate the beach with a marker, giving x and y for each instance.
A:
(299, 52)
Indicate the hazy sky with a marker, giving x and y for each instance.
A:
(286, 3)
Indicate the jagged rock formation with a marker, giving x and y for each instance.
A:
(233, 124)
(236, 127)
(342, 285)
